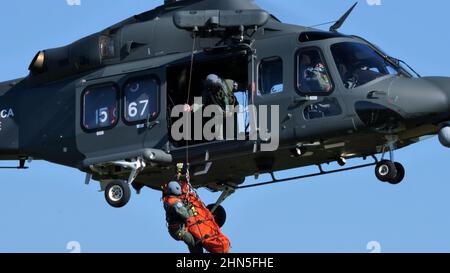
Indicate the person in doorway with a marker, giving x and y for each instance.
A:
(220, 92)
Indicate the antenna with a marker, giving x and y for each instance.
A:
(341, 21)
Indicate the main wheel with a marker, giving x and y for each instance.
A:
(220, 214)
(385, 171)
(117, 194)
(400, 174)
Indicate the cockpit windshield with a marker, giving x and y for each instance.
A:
(359, 64)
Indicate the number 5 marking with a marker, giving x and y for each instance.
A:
(102, 115)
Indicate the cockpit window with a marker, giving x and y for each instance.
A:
(359, 64)
(312, 72)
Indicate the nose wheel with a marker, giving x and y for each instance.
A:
(391, 172)
(400, 174)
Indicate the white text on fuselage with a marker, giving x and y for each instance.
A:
(6, 113)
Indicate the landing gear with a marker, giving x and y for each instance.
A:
(389, 170)
(400, 174)
(220, 214)
(117, 193)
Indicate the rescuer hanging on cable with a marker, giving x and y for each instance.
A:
(189, 219)
(177, 215)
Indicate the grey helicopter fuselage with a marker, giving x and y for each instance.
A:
(42, 115)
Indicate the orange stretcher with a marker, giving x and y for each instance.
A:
(202, 224)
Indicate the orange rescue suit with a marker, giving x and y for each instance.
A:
(202, 224)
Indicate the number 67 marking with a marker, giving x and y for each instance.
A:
(133, 111)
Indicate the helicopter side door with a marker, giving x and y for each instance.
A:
(320, 107)
(273, 85)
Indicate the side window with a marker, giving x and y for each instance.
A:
(271, 76)
(141, 100)
(327, 108)
(100, 107)
(313, 76)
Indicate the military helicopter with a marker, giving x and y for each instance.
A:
(102, 104)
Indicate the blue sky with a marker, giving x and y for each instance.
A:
(44, 208)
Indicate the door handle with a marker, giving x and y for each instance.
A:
(152, 124)
(299, 100)
(374, 94)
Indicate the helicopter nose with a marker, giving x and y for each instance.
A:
(444, 127)
(418, 98)
(427, 100)
(439, 96)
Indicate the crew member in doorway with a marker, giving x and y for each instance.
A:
(220, 92)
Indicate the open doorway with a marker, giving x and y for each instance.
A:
(232, 67)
